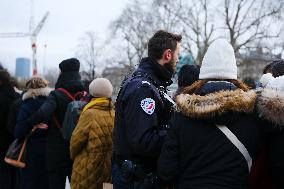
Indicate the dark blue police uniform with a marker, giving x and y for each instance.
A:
(142, 114)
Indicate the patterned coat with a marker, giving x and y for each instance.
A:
(91, 146)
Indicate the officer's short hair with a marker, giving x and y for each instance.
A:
(161, 41)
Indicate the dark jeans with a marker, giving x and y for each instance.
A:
(57, 180)
(117, 179)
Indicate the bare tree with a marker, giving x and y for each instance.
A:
(88, 52)
(244, 22)
(133, 26)
(197, 25)
(249, 20)
(137, 24)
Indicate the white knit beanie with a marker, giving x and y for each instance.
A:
(101, 87)
(219, 61)
(276, 83)
(265, 79)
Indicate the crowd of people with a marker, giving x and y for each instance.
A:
(214, 132)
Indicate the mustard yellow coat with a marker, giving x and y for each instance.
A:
(91, 146)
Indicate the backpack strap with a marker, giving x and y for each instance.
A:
(57, 124)
(81, 95)
(237, 143)
(66, 93)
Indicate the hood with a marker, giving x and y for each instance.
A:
(216, 104)
(270, 106)
(33, 93)
(99, 103)
(71, 81)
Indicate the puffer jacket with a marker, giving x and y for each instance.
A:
(91, 145)
(196, 154)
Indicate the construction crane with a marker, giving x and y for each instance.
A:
(32, 34)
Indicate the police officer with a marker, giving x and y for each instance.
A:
(142, 112)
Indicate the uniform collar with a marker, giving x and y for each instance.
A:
(156, 71)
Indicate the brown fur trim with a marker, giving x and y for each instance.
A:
(239, 84)
(270, 106)
(216, 103)
(192, 88)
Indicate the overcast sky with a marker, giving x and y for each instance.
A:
(66, 24)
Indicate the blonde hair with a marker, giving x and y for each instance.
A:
(36, 82)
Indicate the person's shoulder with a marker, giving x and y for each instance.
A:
(88, 114)
(56, 93)
(141, 83)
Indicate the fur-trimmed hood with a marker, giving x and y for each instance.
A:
(214, 104)
(33, 93)
(270, 105)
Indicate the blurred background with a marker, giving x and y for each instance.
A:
(110, 37)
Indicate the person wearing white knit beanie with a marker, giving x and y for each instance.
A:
(214, 133)
(219, 61)
(270, 108)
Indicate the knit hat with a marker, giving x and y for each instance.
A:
(265, 79)
(68, 65)
(101, 87)
(219, 61)
(276, 84)
(187, 75)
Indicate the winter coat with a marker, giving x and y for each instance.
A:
(269, 168)
(34, 175)
(91, 146)
(196, 154)
(142, 113)
(13, 113)
(58, 156)
(7, 172)
(7, 97)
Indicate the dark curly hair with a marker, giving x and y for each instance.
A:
(161, 41)
(277, 68)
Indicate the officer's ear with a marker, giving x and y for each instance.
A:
(167, 55)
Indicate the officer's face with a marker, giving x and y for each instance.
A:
(171, 65)
(175, 55)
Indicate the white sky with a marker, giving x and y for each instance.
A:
(66, 24)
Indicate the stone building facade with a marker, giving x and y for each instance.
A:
(252, 63)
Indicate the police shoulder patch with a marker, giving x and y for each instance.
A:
(148, 105)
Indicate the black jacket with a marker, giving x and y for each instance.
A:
(142, 114)
(270, 108)
(58, 155)
(7, 97)
(35, 174)
(196, 154)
